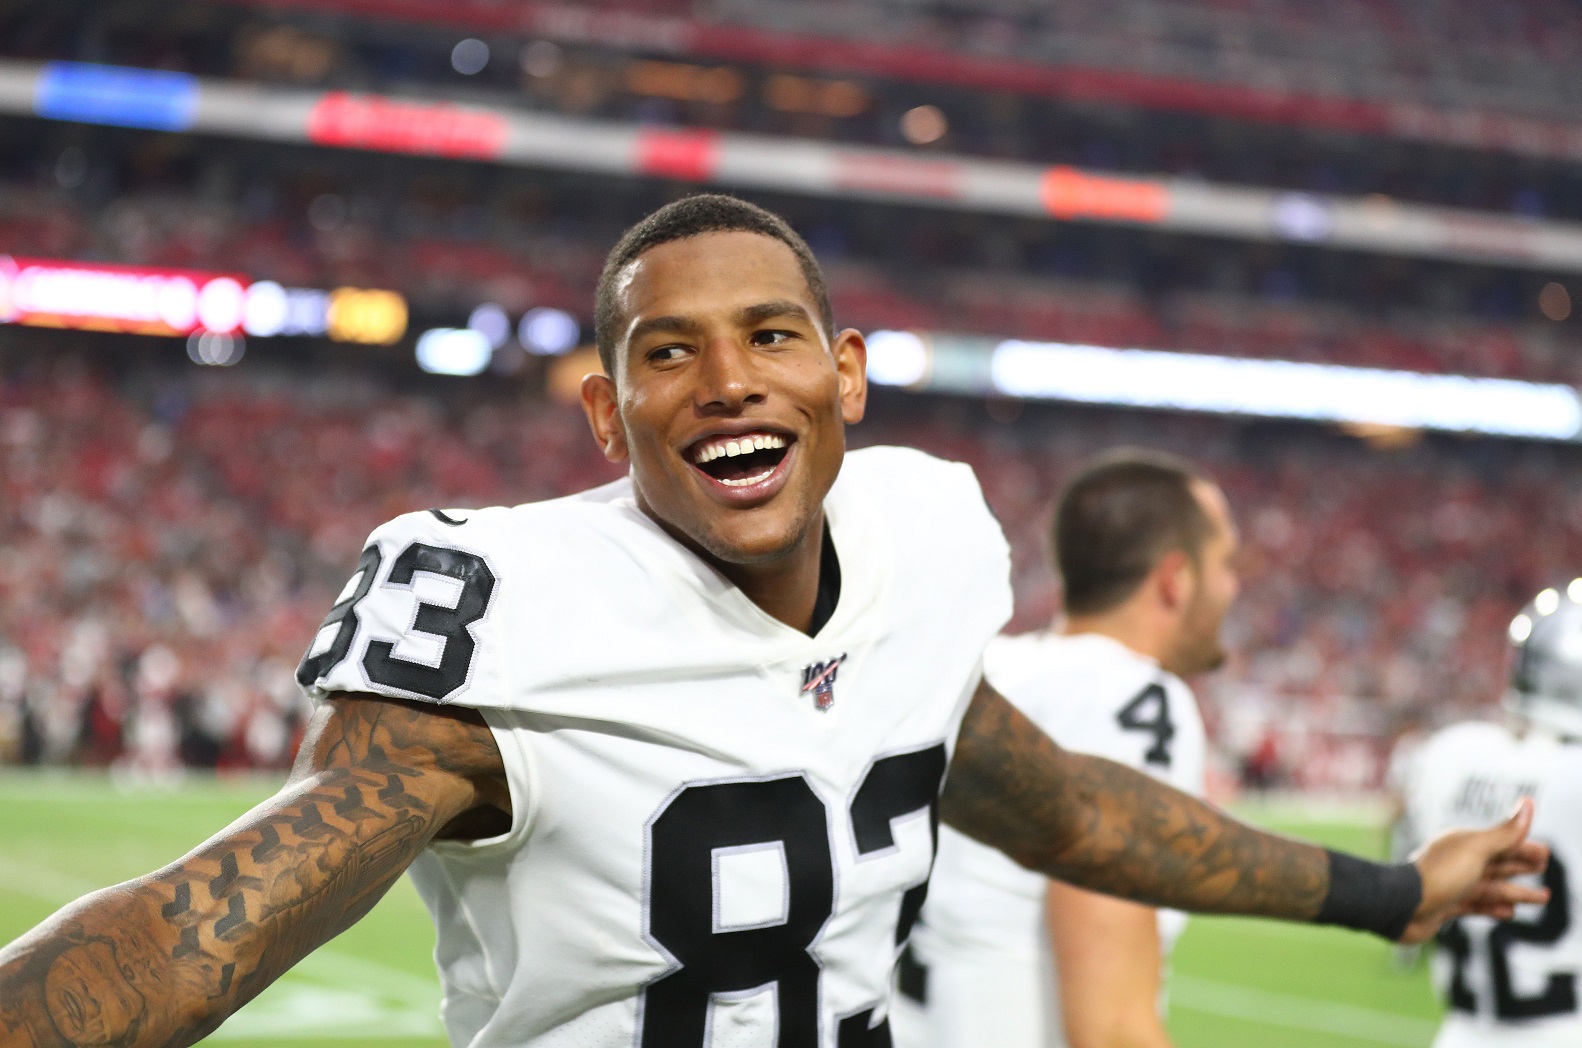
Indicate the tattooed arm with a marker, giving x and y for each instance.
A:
(1103, 826)
(164, 959)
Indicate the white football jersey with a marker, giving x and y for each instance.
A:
(987, 970)
(722, 827)
(1510, 983)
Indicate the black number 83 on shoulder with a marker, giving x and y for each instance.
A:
(436, 681)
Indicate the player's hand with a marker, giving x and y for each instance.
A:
(1469, 871)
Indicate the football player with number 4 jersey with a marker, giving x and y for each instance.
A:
(1514, 983)
(1145, 547)
(667, 759)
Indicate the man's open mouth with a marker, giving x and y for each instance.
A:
(740, 461)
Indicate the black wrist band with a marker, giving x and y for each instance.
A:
(1370, 896)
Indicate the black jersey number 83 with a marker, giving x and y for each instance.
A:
(710, 963)
(450, 624)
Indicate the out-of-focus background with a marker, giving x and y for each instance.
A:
(272, 271)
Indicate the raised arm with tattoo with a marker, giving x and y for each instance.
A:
(1102, 826)
(164, 959)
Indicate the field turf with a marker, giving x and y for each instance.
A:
(1235, 983)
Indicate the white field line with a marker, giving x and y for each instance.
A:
(333, 994)
(293, 1011)
(1299, 1013)
(41, 883)
(21, 780)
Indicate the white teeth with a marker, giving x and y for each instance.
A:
(721, 447)
(745, 481)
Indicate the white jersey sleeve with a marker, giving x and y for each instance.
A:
(1509, 984)
(414, 620)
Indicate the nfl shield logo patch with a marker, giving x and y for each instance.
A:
(819, 679)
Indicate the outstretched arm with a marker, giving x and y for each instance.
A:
(1105, 827)
(164, 959)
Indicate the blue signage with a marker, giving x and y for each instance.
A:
(101, 94)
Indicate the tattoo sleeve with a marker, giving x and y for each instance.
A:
(1100, 825)
(164, 959)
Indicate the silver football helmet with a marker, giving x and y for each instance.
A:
(1546, 668)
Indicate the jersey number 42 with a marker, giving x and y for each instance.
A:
(1559, 995)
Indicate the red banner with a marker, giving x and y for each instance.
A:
(690, 155)
(1069, 193)
(431, 129)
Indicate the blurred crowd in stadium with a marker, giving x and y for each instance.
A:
(170, 537)
(170, 542)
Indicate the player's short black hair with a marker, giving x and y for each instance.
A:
(689, 217)
(1117, 517)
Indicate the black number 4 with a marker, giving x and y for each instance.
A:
(784, 813)
(1150, 712)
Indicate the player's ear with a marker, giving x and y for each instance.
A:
(600, 405)
(1175, 577)
(851, 363)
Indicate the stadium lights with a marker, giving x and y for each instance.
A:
(897, 358)
(1223, 385)
(215, 349)
(1285, 389)
(547, 332)
(453, 351)
(469, 57)
(366, 315)
(274, 310)
(490, 321)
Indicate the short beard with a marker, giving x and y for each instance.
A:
(1206, 661)
(1201, 650)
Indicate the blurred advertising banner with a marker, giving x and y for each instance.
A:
(148, 300)
(98, 296)
(126, 97)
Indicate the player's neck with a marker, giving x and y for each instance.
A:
(787, 588)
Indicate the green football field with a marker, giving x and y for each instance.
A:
(1236, 983)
